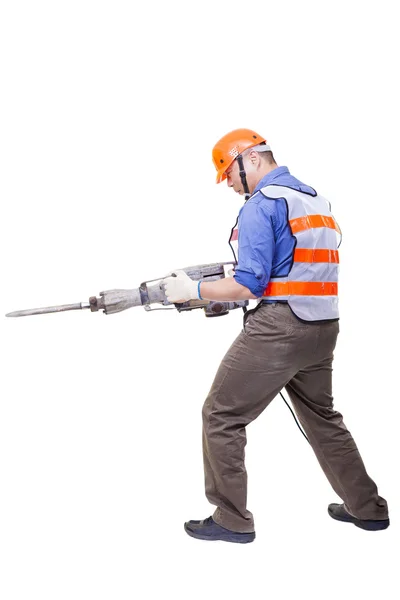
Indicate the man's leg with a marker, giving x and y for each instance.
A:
(259, 363)
(310, 391)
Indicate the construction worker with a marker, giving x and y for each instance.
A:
(285, 244)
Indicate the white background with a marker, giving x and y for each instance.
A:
(109, 111)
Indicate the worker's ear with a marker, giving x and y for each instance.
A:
(254, 158)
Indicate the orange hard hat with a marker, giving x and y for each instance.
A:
(230, 146)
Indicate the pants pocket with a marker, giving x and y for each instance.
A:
(252, 317)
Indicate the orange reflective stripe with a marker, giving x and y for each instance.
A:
(301, 288)
(314, 255)
(310, 221)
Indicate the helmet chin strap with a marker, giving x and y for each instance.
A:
(243, 178)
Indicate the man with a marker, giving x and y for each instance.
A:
(286, 249)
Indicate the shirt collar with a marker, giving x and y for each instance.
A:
(271, 177)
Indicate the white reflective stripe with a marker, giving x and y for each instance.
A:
(313, 272)
(322, 237)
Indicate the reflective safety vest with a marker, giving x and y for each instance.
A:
(311, 286)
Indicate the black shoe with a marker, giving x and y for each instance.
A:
(209, 530)
(338, 512)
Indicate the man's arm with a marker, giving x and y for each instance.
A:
(225, 289)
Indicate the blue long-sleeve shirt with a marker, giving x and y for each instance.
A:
(266, 243)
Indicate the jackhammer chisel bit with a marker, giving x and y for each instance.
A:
(48, 309)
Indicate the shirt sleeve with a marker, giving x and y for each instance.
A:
(256, 248)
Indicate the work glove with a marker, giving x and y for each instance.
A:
(180, 288)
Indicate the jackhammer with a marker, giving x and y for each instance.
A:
(113, 301)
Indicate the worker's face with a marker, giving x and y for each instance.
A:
(251, 163)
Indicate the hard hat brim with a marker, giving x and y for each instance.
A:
(221, 176)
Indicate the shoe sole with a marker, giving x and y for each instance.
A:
(246, 539)
(362, 524)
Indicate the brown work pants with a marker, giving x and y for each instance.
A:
(277, 350)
